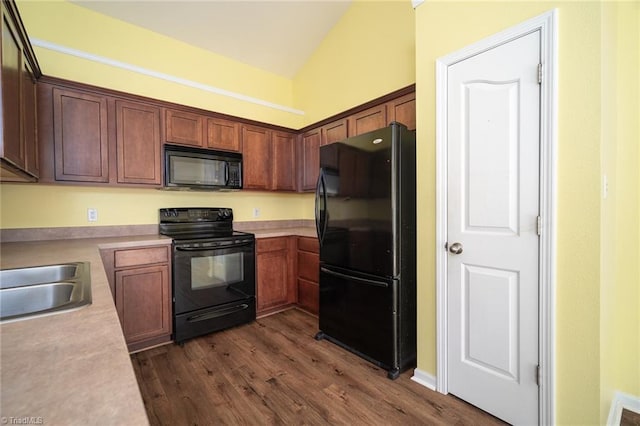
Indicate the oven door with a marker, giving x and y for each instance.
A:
(213, 276)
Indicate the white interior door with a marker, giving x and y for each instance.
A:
(493, 157)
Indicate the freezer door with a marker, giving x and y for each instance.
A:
(358, 228)
(358, 312)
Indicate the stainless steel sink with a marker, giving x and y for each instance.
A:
(43, 290)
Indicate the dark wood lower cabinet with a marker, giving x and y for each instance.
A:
(308, 274)
(275, 274)
(140, 281)
(142, 302)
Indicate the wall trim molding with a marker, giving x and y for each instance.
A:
(425, 379)
(546, 23)
(162, 76)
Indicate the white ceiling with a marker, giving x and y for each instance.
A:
(276, 36)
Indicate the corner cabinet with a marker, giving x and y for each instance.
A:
(140, 281)
(275, 274)
(19, 71)
(309, 159)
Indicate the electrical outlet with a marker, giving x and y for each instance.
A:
(256, 212)
(92, 215)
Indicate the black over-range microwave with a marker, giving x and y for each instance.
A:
(204, 169)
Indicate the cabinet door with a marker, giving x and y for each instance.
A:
(223, 134)
(371, 119)
(184, 128)
(256, 152)
(310, 159)
(308, 266)
(11, 142)
(403, 110)
(138, 143)
(275, 276)
(334, 132)
(81, 145)
(283, 162)
(308, 296)
(143, 302)
(29, 123)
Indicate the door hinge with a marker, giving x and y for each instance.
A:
(539, 225)
(540, 73)
(538, 375)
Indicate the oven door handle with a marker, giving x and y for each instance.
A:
(213, 248)
(218, 313)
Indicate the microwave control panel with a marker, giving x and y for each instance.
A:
(235, 177)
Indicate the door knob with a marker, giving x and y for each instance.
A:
(456, 248)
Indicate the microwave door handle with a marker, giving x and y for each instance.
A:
(226, 173)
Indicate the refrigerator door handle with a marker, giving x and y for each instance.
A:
(321, 213)
(352, 278)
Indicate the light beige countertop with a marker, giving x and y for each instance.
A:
(284, 232)
(72, 367)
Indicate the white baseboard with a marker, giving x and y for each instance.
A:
(620, 401)
(425, 379)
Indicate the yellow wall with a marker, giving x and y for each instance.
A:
(369, 53)
(76, 27)
(443, 27)
(620, 253)
(35, 206)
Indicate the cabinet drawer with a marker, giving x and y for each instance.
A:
(308, 266)
(271, 244)
(308, 244)
(141, 256)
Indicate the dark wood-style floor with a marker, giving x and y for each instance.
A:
(273, 372)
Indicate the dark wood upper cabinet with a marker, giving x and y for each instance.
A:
(403, 110)
(223, 134)
(334, 132)
(309, 159)
(12, 147)
(18, 73)
(81, 145)
(138, 143)
(184, 128)
(370, 119)
(283, 161)
(256, 153)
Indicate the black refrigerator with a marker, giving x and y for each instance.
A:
(366, 222)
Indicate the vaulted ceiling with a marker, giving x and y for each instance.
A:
(276, 36)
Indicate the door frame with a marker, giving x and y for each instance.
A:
(547, 25)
